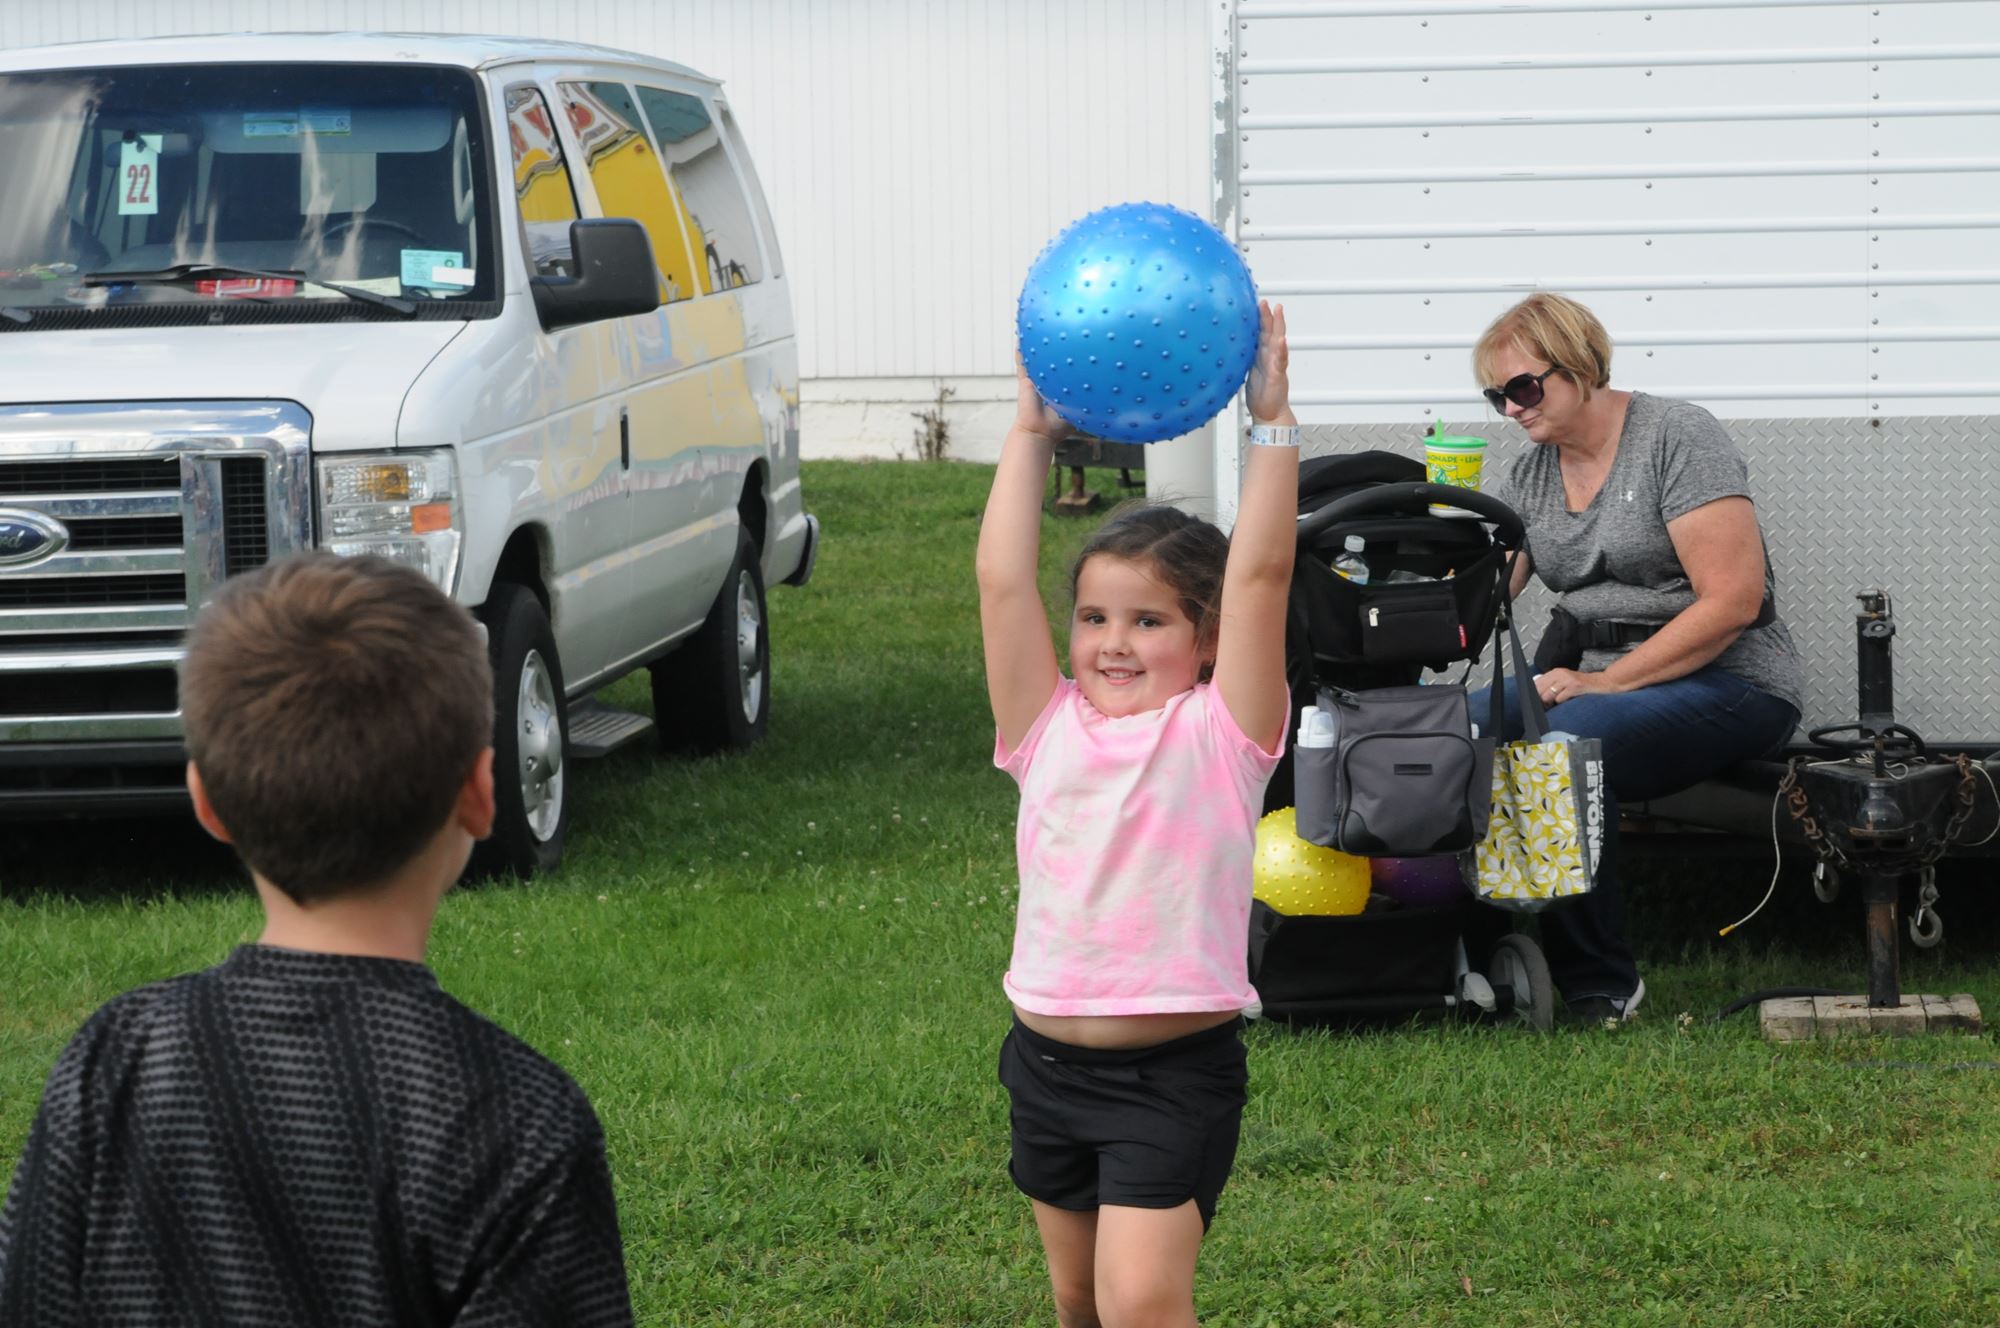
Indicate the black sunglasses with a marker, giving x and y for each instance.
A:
(1523, 389)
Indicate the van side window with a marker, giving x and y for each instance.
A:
(630, 183)
(723, 240)
(541, 182)
(734, 138)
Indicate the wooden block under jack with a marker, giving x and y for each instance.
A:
(1804, 1018)
(1076, 500)
(1788, 1019)
(1960, 1012)
(1853, 1016)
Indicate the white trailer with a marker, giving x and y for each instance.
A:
(1785, 210)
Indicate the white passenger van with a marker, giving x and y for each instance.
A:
(509, 311)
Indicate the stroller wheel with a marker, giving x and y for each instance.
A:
(1518, 963)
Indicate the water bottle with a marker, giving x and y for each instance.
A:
(1351, 564)
(1317, 814)
(1316, 728)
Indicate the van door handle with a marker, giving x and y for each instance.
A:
(625, 440)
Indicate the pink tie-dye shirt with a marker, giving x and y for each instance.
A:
(1134, 841)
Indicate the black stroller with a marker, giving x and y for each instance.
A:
(1435, 588)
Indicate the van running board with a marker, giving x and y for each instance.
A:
(596, 729)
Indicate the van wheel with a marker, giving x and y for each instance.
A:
(530, 728)
(713, 693)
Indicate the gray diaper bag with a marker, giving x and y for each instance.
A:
(1393, 772)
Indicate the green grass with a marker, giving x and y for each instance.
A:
(777, 975)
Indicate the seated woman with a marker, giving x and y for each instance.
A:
(1666, 644)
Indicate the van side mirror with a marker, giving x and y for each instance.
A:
(615, 276)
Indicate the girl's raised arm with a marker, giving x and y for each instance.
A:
(1021, 671)
(1257, 583)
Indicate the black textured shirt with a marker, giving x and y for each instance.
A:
(306, 1139)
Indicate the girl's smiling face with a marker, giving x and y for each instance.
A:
(1132, 648)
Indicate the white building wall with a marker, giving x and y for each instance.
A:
(916, 153)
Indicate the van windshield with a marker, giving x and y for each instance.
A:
(150, 194)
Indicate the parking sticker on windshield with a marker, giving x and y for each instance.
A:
(139, 175)
(322, 121)
(270, 124)
(433, 269)
(327, 121)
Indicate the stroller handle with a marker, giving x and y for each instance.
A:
(1508, 530)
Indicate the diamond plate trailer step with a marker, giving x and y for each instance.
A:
(1736, 806)
(596, 729)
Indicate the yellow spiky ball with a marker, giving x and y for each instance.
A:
(1294, 875)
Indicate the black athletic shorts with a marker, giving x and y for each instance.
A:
(1147, 1128)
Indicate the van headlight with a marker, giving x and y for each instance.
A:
(400, 505)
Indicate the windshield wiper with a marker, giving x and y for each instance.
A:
(180, 272)
(13, 315)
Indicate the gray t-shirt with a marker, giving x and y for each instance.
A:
(1614, 561)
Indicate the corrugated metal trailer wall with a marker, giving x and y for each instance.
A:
(916, 153)
(1787, 211)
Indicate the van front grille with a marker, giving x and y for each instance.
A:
(128, 520)
(89, 475)
(62, 592)
(159, 503)
(246, 522)
(143, 532)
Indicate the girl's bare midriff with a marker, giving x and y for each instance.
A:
(1122, 1032)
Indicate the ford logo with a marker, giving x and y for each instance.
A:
(26, 536)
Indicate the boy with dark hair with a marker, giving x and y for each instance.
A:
(311, 1132)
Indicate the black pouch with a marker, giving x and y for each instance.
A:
(1431, 623)
(1413, 621)
(1403, 777)
(1561, 646)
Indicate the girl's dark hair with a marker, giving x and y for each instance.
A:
(1187, 553)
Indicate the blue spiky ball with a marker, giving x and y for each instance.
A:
(1138, 322)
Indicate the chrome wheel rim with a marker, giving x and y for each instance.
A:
(749, 637)
(539, 744)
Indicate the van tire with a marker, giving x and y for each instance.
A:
(530, 723)
(713, 693)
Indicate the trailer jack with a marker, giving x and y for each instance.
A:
(1880, 806)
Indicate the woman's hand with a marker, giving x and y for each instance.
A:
(1031, 413)
(1560, 685)
(1267, 392)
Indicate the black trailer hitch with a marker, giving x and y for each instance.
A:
(1879, 806)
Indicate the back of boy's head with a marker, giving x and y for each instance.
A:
(1186, 553)
(334, 708)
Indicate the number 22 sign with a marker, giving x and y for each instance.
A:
(139, 176)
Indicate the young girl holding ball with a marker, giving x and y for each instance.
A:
(1142, 775)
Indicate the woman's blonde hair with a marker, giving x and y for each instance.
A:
(1554, 329)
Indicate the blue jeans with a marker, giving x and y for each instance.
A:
(1657, 740)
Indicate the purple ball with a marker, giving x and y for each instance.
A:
(1419, 882)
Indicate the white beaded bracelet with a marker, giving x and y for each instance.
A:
(1274, 435)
